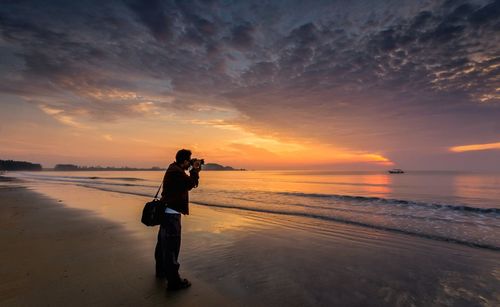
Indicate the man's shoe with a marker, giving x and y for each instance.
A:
(181, 284)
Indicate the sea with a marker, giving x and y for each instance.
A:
(458, 207)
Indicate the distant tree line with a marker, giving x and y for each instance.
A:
(11, 165)
(73, 167)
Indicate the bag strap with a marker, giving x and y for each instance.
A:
(159, 188)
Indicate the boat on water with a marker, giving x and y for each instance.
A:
(396, 171)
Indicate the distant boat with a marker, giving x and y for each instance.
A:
(396, 171)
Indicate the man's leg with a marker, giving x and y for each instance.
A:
(177, 246)
(159, 257)
(172, 242)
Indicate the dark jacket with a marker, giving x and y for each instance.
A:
(176, 185)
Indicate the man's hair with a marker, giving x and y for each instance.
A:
(183, 155)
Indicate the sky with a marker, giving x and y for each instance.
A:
(347, 85)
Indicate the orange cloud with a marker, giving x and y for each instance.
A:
(281, 154)
(253, 151)
(60, 116)
(475, 147)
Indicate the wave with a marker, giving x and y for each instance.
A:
(379, 200)
(352, 210)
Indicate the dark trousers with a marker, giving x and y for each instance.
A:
(168, 247)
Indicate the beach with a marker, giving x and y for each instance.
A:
(55, 255)
(67, 244)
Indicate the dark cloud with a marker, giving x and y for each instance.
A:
(304, 35)
(261, 72)
(204, 26)
(421, 20)
(488, 14)
(242, 36)
(152, 14)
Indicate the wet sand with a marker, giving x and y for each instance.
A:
(53, 255)
(87, 247)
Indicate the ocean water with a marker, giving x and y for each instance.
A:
(461, 208)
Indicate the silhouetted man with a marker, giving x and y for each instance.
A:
(176, 185)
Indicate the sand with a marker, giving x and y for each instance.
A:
(53, 255)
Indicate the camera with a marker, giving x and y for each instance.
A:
(192, 161)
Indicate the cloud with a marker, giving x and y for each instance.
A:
(108, 137)
(253, 151)
(152, 14)
(475, 147)
(61, 116)
(146, 107)
(242, 36)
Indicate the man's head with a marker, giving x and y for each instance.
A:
(182, 158)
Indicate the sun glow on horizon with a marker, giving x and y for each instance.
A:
(153, 139)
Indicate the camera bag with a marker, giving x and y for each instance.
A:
(153, 211)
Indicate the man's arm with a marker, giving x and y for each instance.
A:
(181, 181)
(195, 173)
(192, 179)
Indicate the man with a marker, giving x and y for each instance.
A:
(176, 185)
